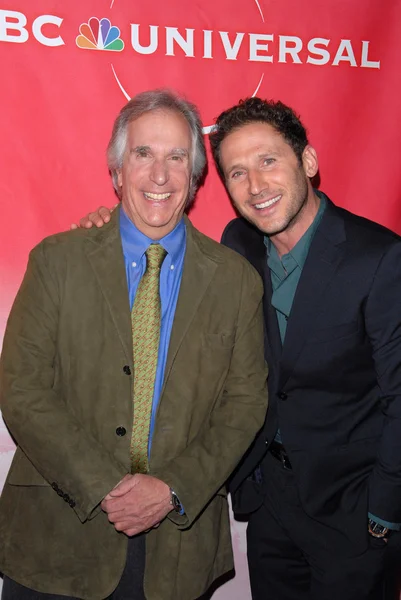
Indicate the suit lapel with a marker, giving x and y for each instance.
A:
(199, 270)
(325, 254)
(272, 332)
(106, 257)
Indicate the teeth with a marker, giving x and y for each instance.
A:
(268, 203)
(157, 196)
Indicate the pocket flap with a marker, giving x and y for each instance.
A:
(22, 471)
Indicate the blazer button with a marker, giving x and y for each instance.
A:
(127, 370)
(71, 503)
(66, 497)
(282, 395)
(121, 431)
(55, 486)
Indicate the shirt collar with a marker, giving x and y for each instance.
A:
(301, 248)
(135, 243)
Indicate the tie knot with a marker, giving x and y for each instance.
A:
(155, 255)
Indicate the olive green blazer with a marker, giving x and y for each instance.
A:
(66, 389)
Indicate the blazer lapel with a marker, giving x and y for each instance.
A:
(325, 254)
(256, 253)
(106, 257)
(199, 270)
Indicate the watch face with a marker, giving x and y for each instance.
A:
(175, 502)
(377, 529)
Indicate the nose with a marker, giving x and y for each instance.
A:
(159, 172)
(255, 182)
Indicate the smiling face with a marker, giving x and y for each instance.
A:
(265, 179)
(156, 171)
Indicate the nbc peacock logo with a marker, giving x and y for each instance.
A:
(99, 35)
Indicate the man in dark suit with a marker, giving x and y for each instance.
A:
(322, 482)
(133, 380)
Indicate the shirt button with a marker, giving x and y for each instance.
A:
(282, 395)
(172, 267)
(134, 264)
(121, 431)
(127, 370)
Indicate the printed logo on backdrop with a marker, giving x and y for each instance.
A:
(99, 35)
(215, 49)
(145, 40)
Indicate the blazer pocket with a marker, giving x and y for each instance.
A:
(222, 339)
(22, 472)
(328, 334)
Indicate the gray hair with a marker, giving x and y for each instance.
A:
(157, 100)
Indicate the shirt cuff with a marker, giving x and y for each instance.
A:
(394, 526)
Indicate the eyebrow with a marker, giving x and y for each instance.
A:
(269, 153)
(234, 168)
(139, 149)
(260, 155)
(181, 151)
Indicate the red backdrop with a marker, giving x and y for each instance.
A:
(59, 100)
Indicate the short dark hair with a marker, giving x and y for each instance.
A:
(255, 110)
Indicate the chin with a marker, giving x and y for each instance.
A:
(158, 218)
(263, 224)
(270, 228)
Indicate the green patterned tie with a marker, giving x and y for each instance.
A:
(145, 318)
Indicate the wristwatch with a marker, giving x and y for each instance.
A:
(175, 503)
(377, 530)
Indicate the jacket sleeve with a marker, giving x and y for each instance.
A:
(383, 327)
(198, 473)
(32, 404)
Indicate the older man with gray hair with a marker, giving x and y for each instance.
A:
(133, 380)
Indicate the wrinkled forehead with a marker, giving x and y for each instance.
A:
(161, 126)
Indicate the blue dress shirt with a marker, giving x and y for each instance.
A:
(135, 245)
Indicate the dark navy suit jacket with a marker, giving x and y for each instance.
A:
(335, 385)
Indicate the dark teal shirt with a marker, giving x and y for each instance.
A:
(286, 271)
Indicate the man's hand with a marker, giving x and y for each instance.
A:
(98, 218)
(137, 503)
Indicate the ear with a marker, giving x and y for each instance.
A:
(119, 177)
(310, 161)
